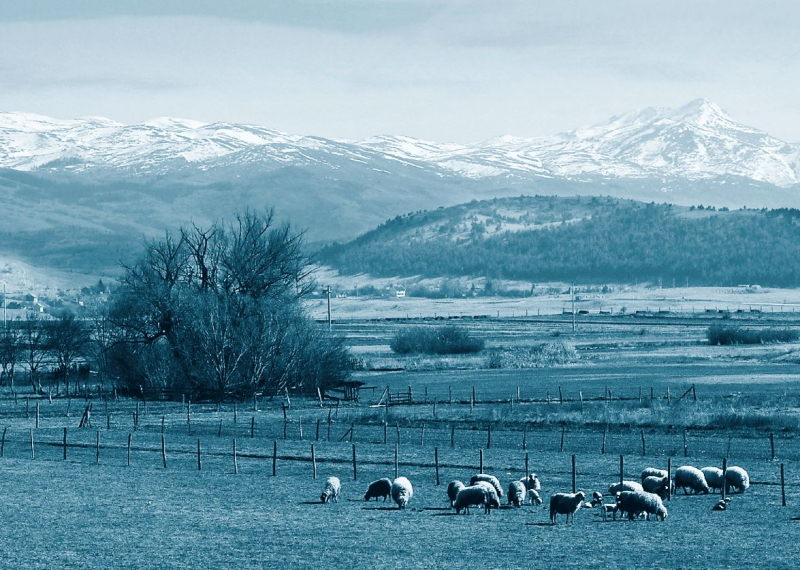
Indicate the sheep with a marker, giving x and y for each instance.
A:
(331, 490)
(402, 491)
(597, 498)
(633, 503)
(474, 495)
(532, 482)
(624, 486)
(721, 506)
(565, 504)
(737, 478)
(688, 477)
(607, 509)
(652, 472)
(657, 485)
(713, 477)
(489, 479)
(533, 498)
(490, 489)
(452, 490)
(516, 493)
(379, 488)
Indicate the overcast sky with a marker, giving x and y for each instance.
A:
(445, 70)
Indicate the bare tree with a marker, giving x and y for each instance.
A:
(34, 346)
(9, 353)
(68, 339)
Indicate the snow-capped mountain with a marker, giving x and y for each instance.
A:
(696, 141)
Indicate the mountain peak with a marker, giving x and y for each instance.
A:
(700, 112)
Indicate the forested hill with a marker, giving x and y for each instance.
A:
(582, 239)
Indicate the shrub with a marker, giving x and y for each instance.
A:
(435, 340)
(539, 356)
(726, 335)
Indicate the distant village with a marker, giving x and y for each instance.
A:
(74, 301)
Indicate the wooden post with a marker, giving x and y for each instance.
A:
(621, 468)
(385, 432)
(669, 479)
(97, 448)
(434, 407)
(396, 462)
(573, 473)
(255, 402)
(640, 394)
(652, 393)
(480, 470)
(518, 394)
(329, 424)
(668, 397)
(563, 432)
(235, 412)
(580, 394)
(199, 464)
(355, 473)
(274, 457)
(188, 412)
(27, 405)
(524, 437)
(527, 467)
(783, 488)
(728, 452)
(436, 463)
(603, 446)
(422, 434)
(452, 435)
(724, 477)
(3, 443)
(352, 429)
(108, 421)
(235, 459)
(489, 436)
(694, 392)
(37, 415)
(300, 426)
(252, 427)
(162, 424)
(129, 450)
(472, 401)
(337, 409)
(560, 396)
(313, 463)
(164, 451)
(397, 433)
(449, 394)
(685, 448)
(644, 449)
(33, 451)
(219, 430)
(772, 445)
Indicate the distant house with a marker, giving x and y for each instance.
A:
(401, 293)
(31, 299)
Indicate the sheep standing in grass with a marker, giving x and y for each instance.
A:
(331, 490)
(608, 509)
(475, 495)
(402, 491)
(533, 497)
(565, 504)
(633, 503)
(490, 489)
(657, 485)
(597, 498)
(532, 482)
(688, 477)
(653, 472)
(737, 478)
(491, 479)
(713, 477)
(516, 493)
(378, 489)
(452, 490)
(624, 486)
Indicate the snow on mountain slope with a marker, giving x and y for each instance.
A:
(696, 141)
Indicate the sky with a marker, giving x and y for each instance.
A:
(442, 70)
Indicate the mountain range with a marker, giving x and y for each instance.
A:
(79, 194)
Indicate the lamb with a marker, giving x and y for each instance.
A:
(379, 488)
(633, 503)
(653, 472)
(624, 486)
(737, 478)
(657, 485)
(533, 498)
(713, 477)
(565, 504)
(474, 495)
(489, 479)
(688, 477)
(532, 482)
(402, 491)
(608, 509)
(597, 498)
(493, 496)
(331, 490)
(516, 493)
(452, 490)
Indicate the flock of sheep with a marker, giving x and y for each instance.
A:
(631, 498)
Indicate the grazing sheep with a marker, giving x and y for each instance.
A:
(737, 478)
(565, 504)
(713, 477)
(452, 490)
(657, 485)
(688, 477)
(378, 489)
(402, 491)
(608, 509)
(633, 503)
(532, 482)
(652, 472)
(624, 486)
(493, 496)
(331, 490)
(491, 479)
(516, 493)
(475, 495)
(597, 498)
(533, 498)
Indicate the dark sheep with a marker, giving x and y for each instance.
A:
(378, 489)
(565, 504)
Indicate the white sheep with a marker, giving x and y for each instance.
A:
(597, 498)
(565, 504)
(490, 489)
(652, 472)
(657, 485)
(713, 477)
(402, 491)
(688, 477)
(452, 490)
(608, 509)
(624, 486)
(331, 490)
(475, 495)
(533, 497)
(491, 479)
(737, 478)
(532, 482)
(378, 489)
(516, 493)
(633, 503)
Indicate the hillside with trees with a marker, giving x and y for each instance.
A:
(582, 239)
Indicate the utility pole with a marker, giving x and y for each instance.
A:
(5, 322)
(328, 290)
(572, 292)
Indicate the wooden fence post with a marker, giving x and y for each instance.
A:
(164, 451)
(621, 468)
(524, 437)
(436, 463)
(252, 427)
(37, 415)
(396, 462)
(783, 488)
(603, 446)
(527, 468)
(97, 448)
(644, 448)
(27, 406)
(452, 435)
(199, 464)
(3, 443)
(352, 429)
(574, 469)
(108, 421)
(219, 430)
(385, 432)
(422, 434)
(300, 426)
(162, 424)
(685, 448)
(313, 463)
(274, 458)
(772, 445)
(560, 396)
(235, 412)
(652, 394)
(668, 396)
(480, 470)
(489, 436)
(563, 432)
(33, 451)
(355, 473)
(449, 394)
(669, 479)
(724, 477)
(129, 450)
(64, 440)
(316, 438)
(235, 459)
(434, 408)
(397, 433)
